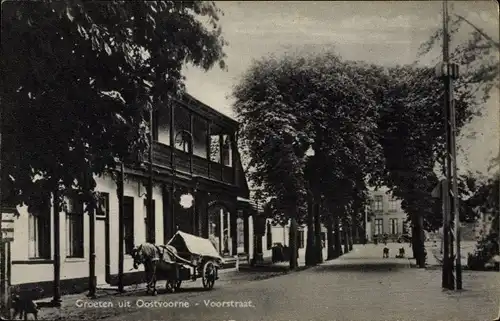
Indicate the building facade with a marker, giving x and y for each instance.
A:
(387, 216)
(199, 187)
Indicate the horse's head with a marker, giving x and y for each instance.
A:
(138, 256)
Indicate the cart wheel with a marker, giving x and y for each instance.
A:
(178, 285)
(209, 275)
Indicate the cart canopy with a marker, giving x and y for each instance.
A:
(185, 242)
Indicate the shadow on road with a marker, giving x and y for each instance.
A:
(365, 267)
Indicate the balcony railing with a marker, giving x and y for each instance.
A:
(202, 167)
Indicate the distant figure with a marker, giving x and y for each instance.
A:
(401, 253)
(385, 254)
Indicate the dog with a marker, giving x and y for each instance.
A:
(22, 306)
(385, 252)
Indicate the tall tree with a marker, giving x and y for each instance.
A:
(79, 79)
(272, 118)
(411, 130)
(288, 105)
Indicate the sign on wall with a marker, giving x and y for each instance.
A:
(8, 219)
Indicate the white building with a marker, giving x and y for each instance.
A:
(194, 153)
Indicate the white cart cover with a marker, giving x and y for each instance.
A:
(195, 245)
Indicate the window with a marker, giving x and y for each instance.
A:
(215, 148)
(39, 231)
(162, 126)
(379, 226)
(226, 150)
(183, 141)
(74, 228)
(215, 142)
(377, 204)
(240, 232)
(200, 132)
(149, 232)
(103, 206)
(128, 224)
(269, 236)
(393, 205)
(300, 241)
(394, 226)
(182, 125)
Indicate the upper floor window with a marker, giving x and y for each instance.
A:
(200, 133)
(226, 150)
(393, 204)
(183, 141)
(161, 126)
(182, 128)
(378, 203)
(215, 143)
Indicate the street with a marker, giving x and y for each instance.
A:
(358, 286)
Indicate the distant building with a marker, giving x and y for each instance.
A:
(387, 216)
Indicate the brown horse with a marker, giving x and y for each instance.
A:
(150, 255)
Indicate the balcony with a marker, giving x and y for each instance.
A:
(162, 156)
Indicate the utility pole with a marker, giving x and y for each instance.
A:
(448, 72)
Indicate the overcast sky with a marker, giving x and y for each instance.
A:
(381, 32)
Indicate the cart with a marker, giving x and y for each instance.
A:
(188, 258)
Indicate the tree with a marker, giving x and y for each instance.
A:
(288, 105)
(411, 131)
(271, 119)
(79, 80)
(485, 200)
(478, 57)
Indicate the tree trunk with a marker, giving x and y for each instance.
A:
(417, 240)
(346, 239)
(338, 237)
(351, 241)
(317, 230)
(310, 248)
(293, 241)
(330, 237)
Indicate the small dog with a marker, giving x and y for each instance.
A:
(385, 252)
(23, 306)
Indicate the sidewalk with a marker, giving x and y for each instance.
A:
(71, 310)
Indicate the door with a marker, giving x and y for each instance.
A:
(100, 251)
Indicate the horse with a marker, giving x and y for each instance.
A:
(150, 255)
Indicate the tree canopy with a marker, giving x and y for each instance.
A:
(79, 79)
(289, 104)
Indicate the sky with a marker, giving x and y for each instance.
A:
(382, 32)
